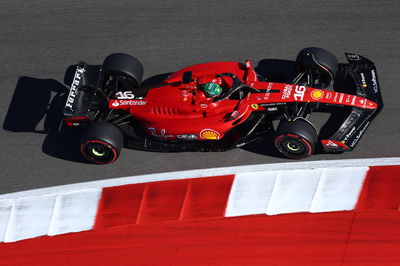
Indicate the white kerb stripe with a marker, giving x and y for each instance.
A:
(294, 191)
(5, 210)
(29, 217)
(338, 189)
(75, 211)
(289, 191)
(250, 193)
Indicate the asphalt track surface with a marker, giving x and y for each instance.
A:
(39, 40)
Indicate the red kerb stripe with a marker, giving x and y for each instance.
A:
(381, 189)
(164, 201)
(334, 238)
(207, 197)
(119, 205)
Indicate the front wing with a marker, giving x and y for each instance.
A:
(365, 77)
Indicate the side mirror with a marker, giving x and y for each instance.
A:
(187, 77)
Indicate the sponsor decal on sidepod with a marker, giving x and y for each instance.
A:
(209, 134)
(128, 102)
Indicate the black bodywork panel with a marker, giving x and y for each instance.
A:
(82, 91)
(363, 72)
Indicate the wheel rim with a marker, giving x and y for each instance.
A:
(98, 152)
(293, 147)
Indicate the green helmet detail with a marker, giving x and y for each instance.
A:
(212, 89)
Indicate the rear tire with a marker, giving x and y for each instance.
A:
(296, 139)
(123, 65)
(101, 143)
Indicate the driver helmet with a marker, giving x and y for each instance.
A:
(212, 89)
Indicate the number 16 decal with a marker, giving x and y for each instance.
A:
(124, 95)
(299, 93)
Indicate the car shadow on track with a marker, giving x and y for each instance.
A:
(36, 107)
(264, 147)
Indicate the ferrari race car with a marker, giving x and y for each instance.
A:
(221, 105)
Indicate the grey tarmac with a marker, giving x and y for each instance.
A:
(40, 39)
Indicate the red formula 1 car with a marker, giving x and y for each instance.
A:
(221, 105)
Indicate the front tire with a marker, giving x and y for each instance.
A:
(322, 61)
(101, 143)
(296, 139)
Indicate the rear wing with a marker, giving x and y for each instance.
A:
(80, 98)
(364, 74)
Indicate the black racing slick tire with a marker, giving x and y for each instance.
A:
(320, 59)
(124, 65)
(296, 139)
(101, 142)
(314, 55)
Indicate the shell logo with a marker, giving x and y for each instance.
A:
(317, 94)
(254, 106)
(209, 134)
